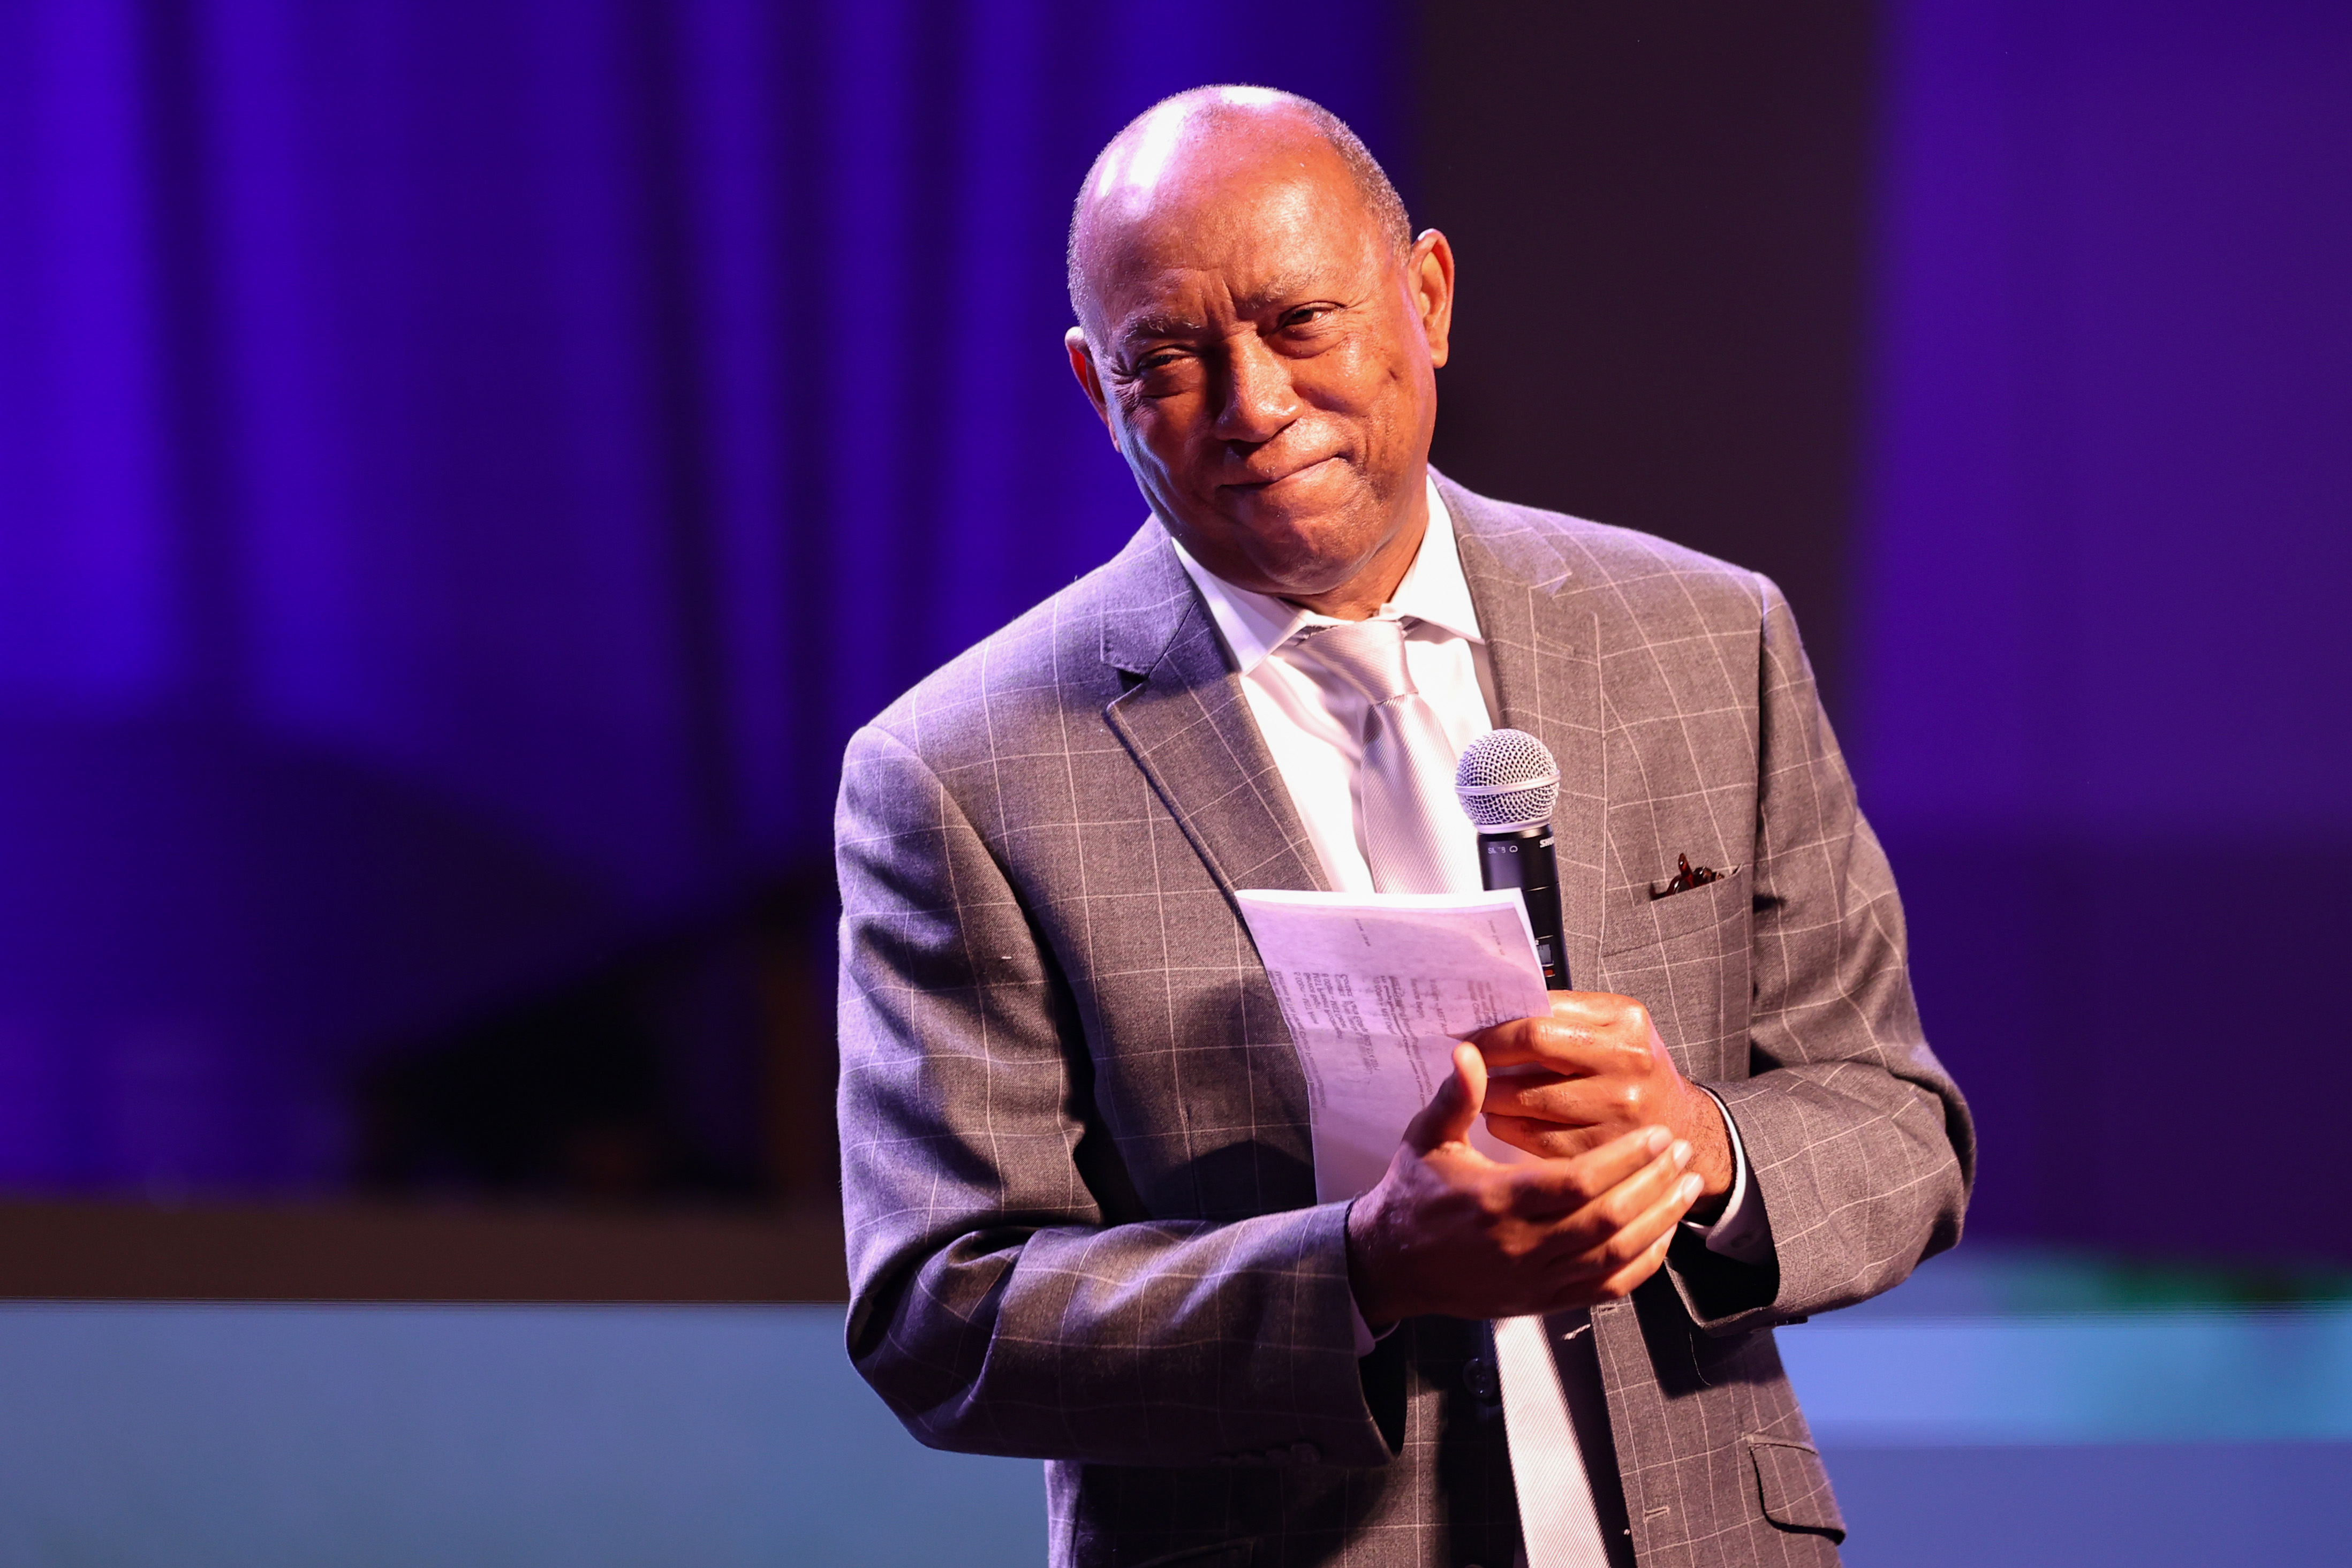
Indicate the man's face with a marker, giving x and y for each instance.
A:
(1265, 360)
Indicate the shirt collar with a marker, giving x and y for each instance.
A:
(1255, 624)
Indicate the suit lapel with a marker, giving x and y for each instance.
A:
(1544, 649)
(1189, 728)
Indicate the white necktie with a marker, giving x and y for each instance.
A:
(1406, 786)
(1559, 1526)
(1406, 780)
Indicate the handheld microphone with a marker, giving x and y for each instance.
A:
(1508, 784)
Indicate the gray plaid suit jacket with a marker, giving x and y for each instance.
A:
(1076, 1169)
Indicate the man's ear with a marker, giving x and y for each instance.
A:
(1429, 276)
(1082, 365)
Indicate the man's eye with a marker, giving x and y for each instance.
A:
(1164, 373)
(1305, 314)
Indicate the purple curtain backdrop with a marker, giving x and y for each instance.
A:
(2103, 719)
(465, 468)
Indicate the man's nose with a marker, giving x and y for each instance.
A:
(1259, 399)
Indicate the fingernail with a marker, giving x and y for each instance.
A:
(1659, 1139)
(1682, 1154)
(1688, 1188)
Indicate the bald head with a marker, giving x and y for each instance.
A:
(1164, 152)
(1261, 335)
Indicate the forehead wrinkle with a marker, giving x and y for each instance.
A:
(1160, 324)
(1284, 288)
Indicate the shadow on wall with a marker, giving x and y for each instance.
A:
(700, 1064)
(229, 965)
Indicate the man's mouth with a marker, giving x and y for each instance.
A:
(1286, 475)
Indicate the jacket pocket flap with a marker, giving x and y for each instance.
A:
(1795, 1487)
(1640, 919)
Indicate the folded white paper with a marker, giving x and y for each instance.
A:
(1377, 989)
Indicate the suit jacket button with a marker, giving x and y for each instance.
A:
(1478, 1376)
(1307, 1453)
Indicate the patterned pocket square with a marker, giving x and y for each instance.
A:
(1687, 876)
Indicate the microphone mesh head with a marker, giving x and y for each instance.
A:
(1507, 779)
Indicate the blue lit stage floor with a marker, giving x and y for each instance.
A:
(2026, 1410)
(2001, 1409)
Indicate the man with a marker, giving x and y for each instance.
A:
(1077, 1169)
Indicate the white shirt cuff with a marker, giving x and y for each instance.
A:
(1742, 1233)
(1366, 1340)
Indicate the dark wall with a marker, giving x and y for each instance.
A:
(2008, 337)
(1661, 219)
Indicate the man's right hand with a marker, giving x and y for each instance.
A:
(1450, 1231)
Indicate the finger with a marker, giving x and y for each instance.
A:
(1575, 1010)
(1448, 1116)
(1522, 1094)
(1616, 1041)
(1598, 1108)
(1667, 1217)
(1571, 1102)
(1654, 1225)
(1547, 1140)
(1540, 1042)
(1626, 1281)
(1559, 1187)
(1583, 1290)
(1631, 1201)
(1591, 1008)
(1581, 1235)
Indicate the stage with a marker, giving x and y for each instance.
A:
(2025, 1410)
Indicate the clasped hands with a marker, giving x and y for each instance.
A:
(1627, 1148)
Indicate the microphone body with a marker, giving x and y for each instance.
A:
(1522, 858)
(1508, 783)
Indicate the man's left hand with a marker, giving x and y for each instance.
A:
(1595, 1070)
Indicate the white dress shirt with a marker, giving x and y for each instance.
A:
(1312, 720)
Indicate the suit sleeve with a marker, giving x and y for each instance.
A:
(1007, 1295)
(1858, 1142)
